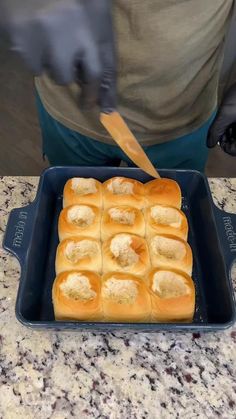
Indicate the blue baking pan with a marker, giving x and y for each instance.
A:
(31, 235)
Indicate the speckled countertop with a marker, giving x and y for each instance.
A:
(115, 376)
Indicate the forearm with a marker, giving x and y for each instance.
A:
(223, 129)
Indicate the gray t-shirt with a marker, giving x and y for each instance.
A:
(169, 58)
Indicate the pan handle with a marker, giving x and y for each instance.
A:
(18, 231)
(226, 225)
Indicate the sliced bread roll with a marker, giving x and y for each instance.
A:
(161, 219)
(122, 219)
(79, 253)
(76, 295)
(170, 251)
(172, 295)
(123, 191)
(79, 220)
(125, 298)
(126, 253)
(87, 191)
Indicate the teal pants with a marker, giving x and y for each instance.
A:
(65, 147)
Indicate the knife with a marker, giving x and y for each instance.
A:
(119, 131)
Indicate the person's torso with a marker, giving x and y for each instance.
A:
(169, 58)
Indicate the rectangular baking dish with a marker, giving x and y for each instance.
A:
(31, 235)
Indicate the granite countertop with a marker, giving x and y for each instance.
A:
(44, 374)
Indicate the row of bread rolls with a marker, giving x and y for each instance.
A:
(168, 295)
(121, 191)
(127, 253)
(80, 219)
(121, 212)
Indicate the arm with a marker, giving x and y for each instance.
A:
(223, 129)
(70, 39)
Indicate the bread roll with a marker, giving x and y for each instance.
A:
(161, 219)
(172, 252)
(123, 219)
(87, 191)
(126, 253)
(164, 192)
(79, 253)
(125, 298)
(79, 220)
(123, 191)
(172, 295)
(76, 295)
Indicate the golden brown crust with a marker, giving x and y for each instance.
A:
(67, 229)
(176, 308)
(66, 308)
(173, 253)
(163, 191)
(135, 199)
(153, 227)
(137, 311)
(111, 226)
(91, 263)
(111, 263)
(125, 258)
(70, 197)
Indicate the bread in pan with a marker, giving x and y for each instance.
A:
(79, 253)
(163, 191)
(126, 253)
(123, 191)
(79, 220)
(122, 219)
(86, 191)
(170, 251)
(161, 219)
(172, 295)
(76, 295)
(125, 298)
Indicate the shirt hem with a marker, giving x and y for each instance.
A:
(146, 142)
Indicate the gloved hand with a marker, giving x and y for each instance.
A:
(71, 39)
(223, 128)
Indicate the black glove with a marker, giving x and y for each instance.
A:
(223, 128)
(71, 39)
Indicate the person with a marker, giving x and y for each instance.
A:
(158, 62)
